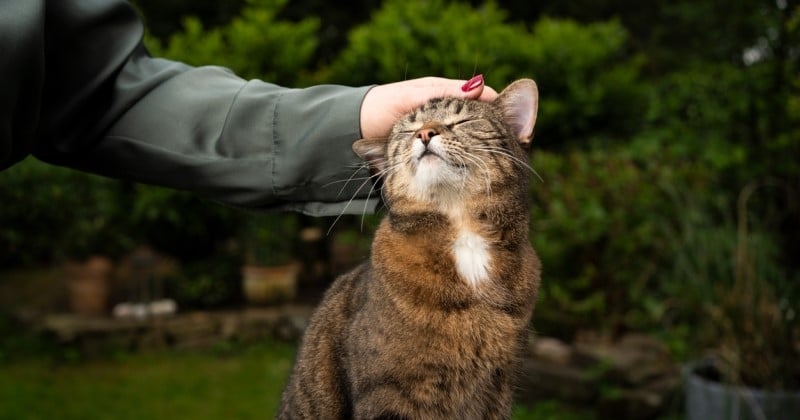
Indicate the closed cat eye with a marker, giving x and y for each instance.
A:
(459, 122)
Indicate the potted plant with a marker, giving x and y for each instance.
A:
(93, 240)
(95, 234)
(270, 270)
(753, 366)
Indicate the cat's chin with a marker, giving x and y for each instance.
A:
(433, 177)
(430, 167)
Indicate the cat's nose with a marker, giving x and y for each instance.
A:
(426, 133)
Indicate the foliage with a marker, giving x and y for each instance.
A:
(696, 103)
(653, 118)
(551, 410)
(162, 17)
(597, 221)
(758, 332)
(749, 303)
(50, 214)
(181, 224)
(199, 234)
(255, 45)
(270, 238)
(636, 239)
(207, 283)
(589, 82)
(407, 39)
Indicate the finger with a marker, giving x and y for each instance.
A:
(475, 88)
(424, 88)
(488, 94)
(481, 93)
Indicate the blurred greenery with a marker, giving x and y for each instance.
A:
(598, 222)
(207, 283)
(254, 43)
(164, 385)
(270, 239)
(654, 118)
(50, 213)
(589, 85)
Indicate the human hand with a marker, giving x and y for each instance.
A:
(384, 104)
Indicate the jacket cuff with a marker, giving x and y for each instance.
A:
(315, 170)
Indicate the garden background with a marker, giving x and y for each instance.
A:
(667, 142)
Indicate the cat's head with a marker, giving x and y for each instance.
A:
(451, 150)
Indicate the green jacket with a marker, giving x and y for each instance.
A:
(80, 90)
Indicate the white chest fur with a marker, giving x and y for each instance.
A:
(471, 254)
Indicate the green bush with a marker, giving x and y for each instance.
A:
(598, 225)
(255, 44)
(181, 224)
(198, 233)
(702, 112)
(51, 213)
(727, 282)
(589, 84)
(649, 240)
(269, 238)
(207, 283)
(408, 39)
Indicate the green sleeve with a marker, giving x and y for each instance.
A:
(107, 107)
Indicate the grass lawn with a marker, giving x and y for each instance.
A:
(231, 383)
(242, 384)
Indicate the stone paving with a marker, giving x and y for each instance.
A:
(189, 330)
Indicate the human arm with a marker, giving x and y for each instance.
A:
(84, 93)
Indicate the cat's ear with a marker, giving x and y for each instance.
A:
(519, 103)
(372, 151)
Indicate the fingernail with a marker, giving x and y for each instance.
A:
(472, 83)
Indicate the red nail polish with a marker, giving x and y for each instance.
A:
(472, 83)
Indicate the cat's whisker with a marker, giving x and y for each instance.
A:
(345, 181)
(501, 151)
(386, 171)
(484, 168)
(506, 153)
(339, 181)
(364, 210)
(464, 172)
(518, 161)
(380, 174)
(366, 202)
(478, 161)
(355, 194)
(348, 180)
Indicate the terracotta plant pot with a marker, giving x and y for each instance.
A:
(88, 285)
(264, 285)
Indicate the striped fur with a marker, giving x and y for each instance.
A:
(431, 327)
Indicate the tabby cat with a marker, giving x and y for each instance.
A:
(432, 326)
